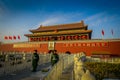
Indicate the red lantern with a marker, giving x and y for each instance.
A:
(37, 39)
(84, 37)
(31, 39)
(69, 37)
(76, 37)
(62, 38)
(58, 38)
(47, 38)
(40, 39)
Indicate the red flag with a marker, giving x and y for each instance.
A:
(5, 37)
(112, 31)
(14, 37)
(18, 37)
(10, 37)
(103, 32)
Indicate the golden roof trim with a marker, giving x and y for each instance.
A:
(60, 27)
(59, 33)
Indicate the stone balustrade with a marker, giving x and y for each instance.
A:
(80, 72)
(56, 72)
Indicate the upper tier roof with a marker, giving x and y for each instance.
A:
(60, 33)
(60, 27)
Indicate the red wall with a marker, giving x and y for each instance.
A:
(111, 46)
(9, 47)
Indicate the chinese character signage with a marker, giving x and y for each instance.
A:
(25, 45)
(89, 44)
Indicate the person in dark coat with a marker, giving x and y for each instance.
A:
(54, 57)
(35, 59)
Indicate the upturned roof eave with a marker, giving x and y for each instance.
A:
(56, 33)
(38, 30)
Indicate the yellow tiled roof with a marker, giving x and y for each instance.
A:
(59, 33)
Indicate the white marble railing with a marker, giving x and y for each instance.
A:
(56, 72)
(80, 72)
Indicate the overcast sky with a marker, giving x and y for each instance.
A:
(17, 17)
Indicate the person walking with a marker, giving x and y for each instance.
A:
(35, 59)
(54, 57)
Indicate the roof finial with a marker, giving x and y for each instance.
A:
(82, 22)
(41, 25)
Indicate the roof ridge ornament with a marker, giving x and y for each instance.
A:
(41, 25)
(82, 22)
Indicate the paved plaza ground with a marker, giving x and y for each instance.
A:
(25, 74)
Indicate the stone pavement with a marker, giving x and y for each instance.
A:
(67, 74)
(26, 74)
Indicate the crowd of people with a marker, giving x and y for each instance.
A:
(35, 59)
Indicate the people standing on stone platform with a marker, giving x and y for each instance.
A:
(54, 57)
(35, 59)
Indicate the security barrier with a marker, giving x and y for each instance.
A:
(16, 61)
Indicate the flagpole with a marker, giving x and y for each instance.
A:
(112, 36)
(102, 37)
